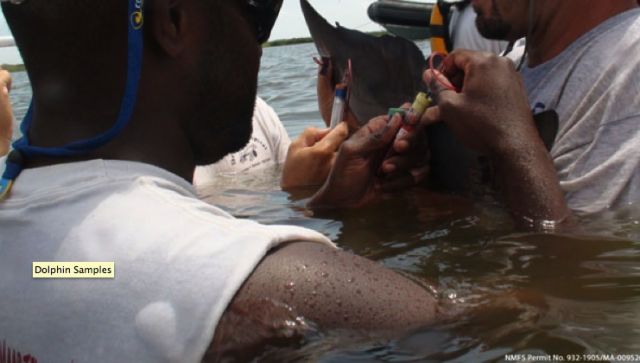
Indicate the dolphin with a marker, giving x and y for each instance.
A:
(387, 72)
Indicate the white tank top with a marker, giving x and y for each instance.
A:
(178, 263)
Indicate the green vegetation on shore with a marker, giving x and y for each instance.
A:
(13, 67)
(281, 42)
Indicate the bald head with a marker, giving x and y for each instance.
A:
(197, 88)
(63, 33)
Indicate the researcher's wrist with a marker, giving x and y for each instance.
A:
(325, 199)
(331, 196)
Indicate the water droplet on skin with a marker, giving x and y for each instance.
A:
(450, 294)
(351, 280)
(290, 285)
(324, 274)
(314, 293)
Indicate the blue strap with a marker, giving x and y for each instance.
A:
(12, 170)
(135, 22)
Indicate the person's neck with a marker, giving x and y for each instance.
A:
(171, 155)
(560, 27)
(150, 137)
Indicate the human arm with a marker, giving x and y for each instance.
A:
(491, 115)
(330, 288)
(311, 156)
(6, 114)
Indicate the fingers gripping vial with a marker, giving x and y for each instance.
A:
(420, 104)
(410, 118)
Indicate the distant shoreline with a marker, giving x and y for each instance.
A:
(273, 43)
(292, 41)
(13, 67)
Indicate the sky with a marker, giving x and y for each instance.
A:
(290, 24)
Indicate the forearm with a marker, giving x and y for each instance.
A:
(530, 185)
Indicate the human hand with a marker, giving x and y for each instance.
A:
(352, 181)
(6, 114)
(406, 162)
(491, 113)
(311, 156)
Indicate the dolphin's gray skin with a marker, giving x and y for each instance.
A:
(387, 72)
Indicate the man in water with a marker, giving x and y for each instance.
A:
(190, 280)
(580, 65)
(306, 161)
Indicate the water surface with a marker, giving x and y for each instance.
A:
(526, 293)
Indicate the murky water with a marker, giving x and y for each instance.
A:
(530, 294)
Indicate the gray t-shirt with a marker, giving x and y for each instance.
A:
(594, 86)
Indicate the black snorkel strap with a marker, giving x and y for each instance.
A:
(23, 150)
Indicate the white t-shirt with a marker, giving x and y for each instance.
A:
(465, 35)
(594, 86)
(178, 263)
(267, 147)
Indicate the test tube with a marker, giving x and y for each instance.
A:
(410, 118)
(420, 104)
(339, 102)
